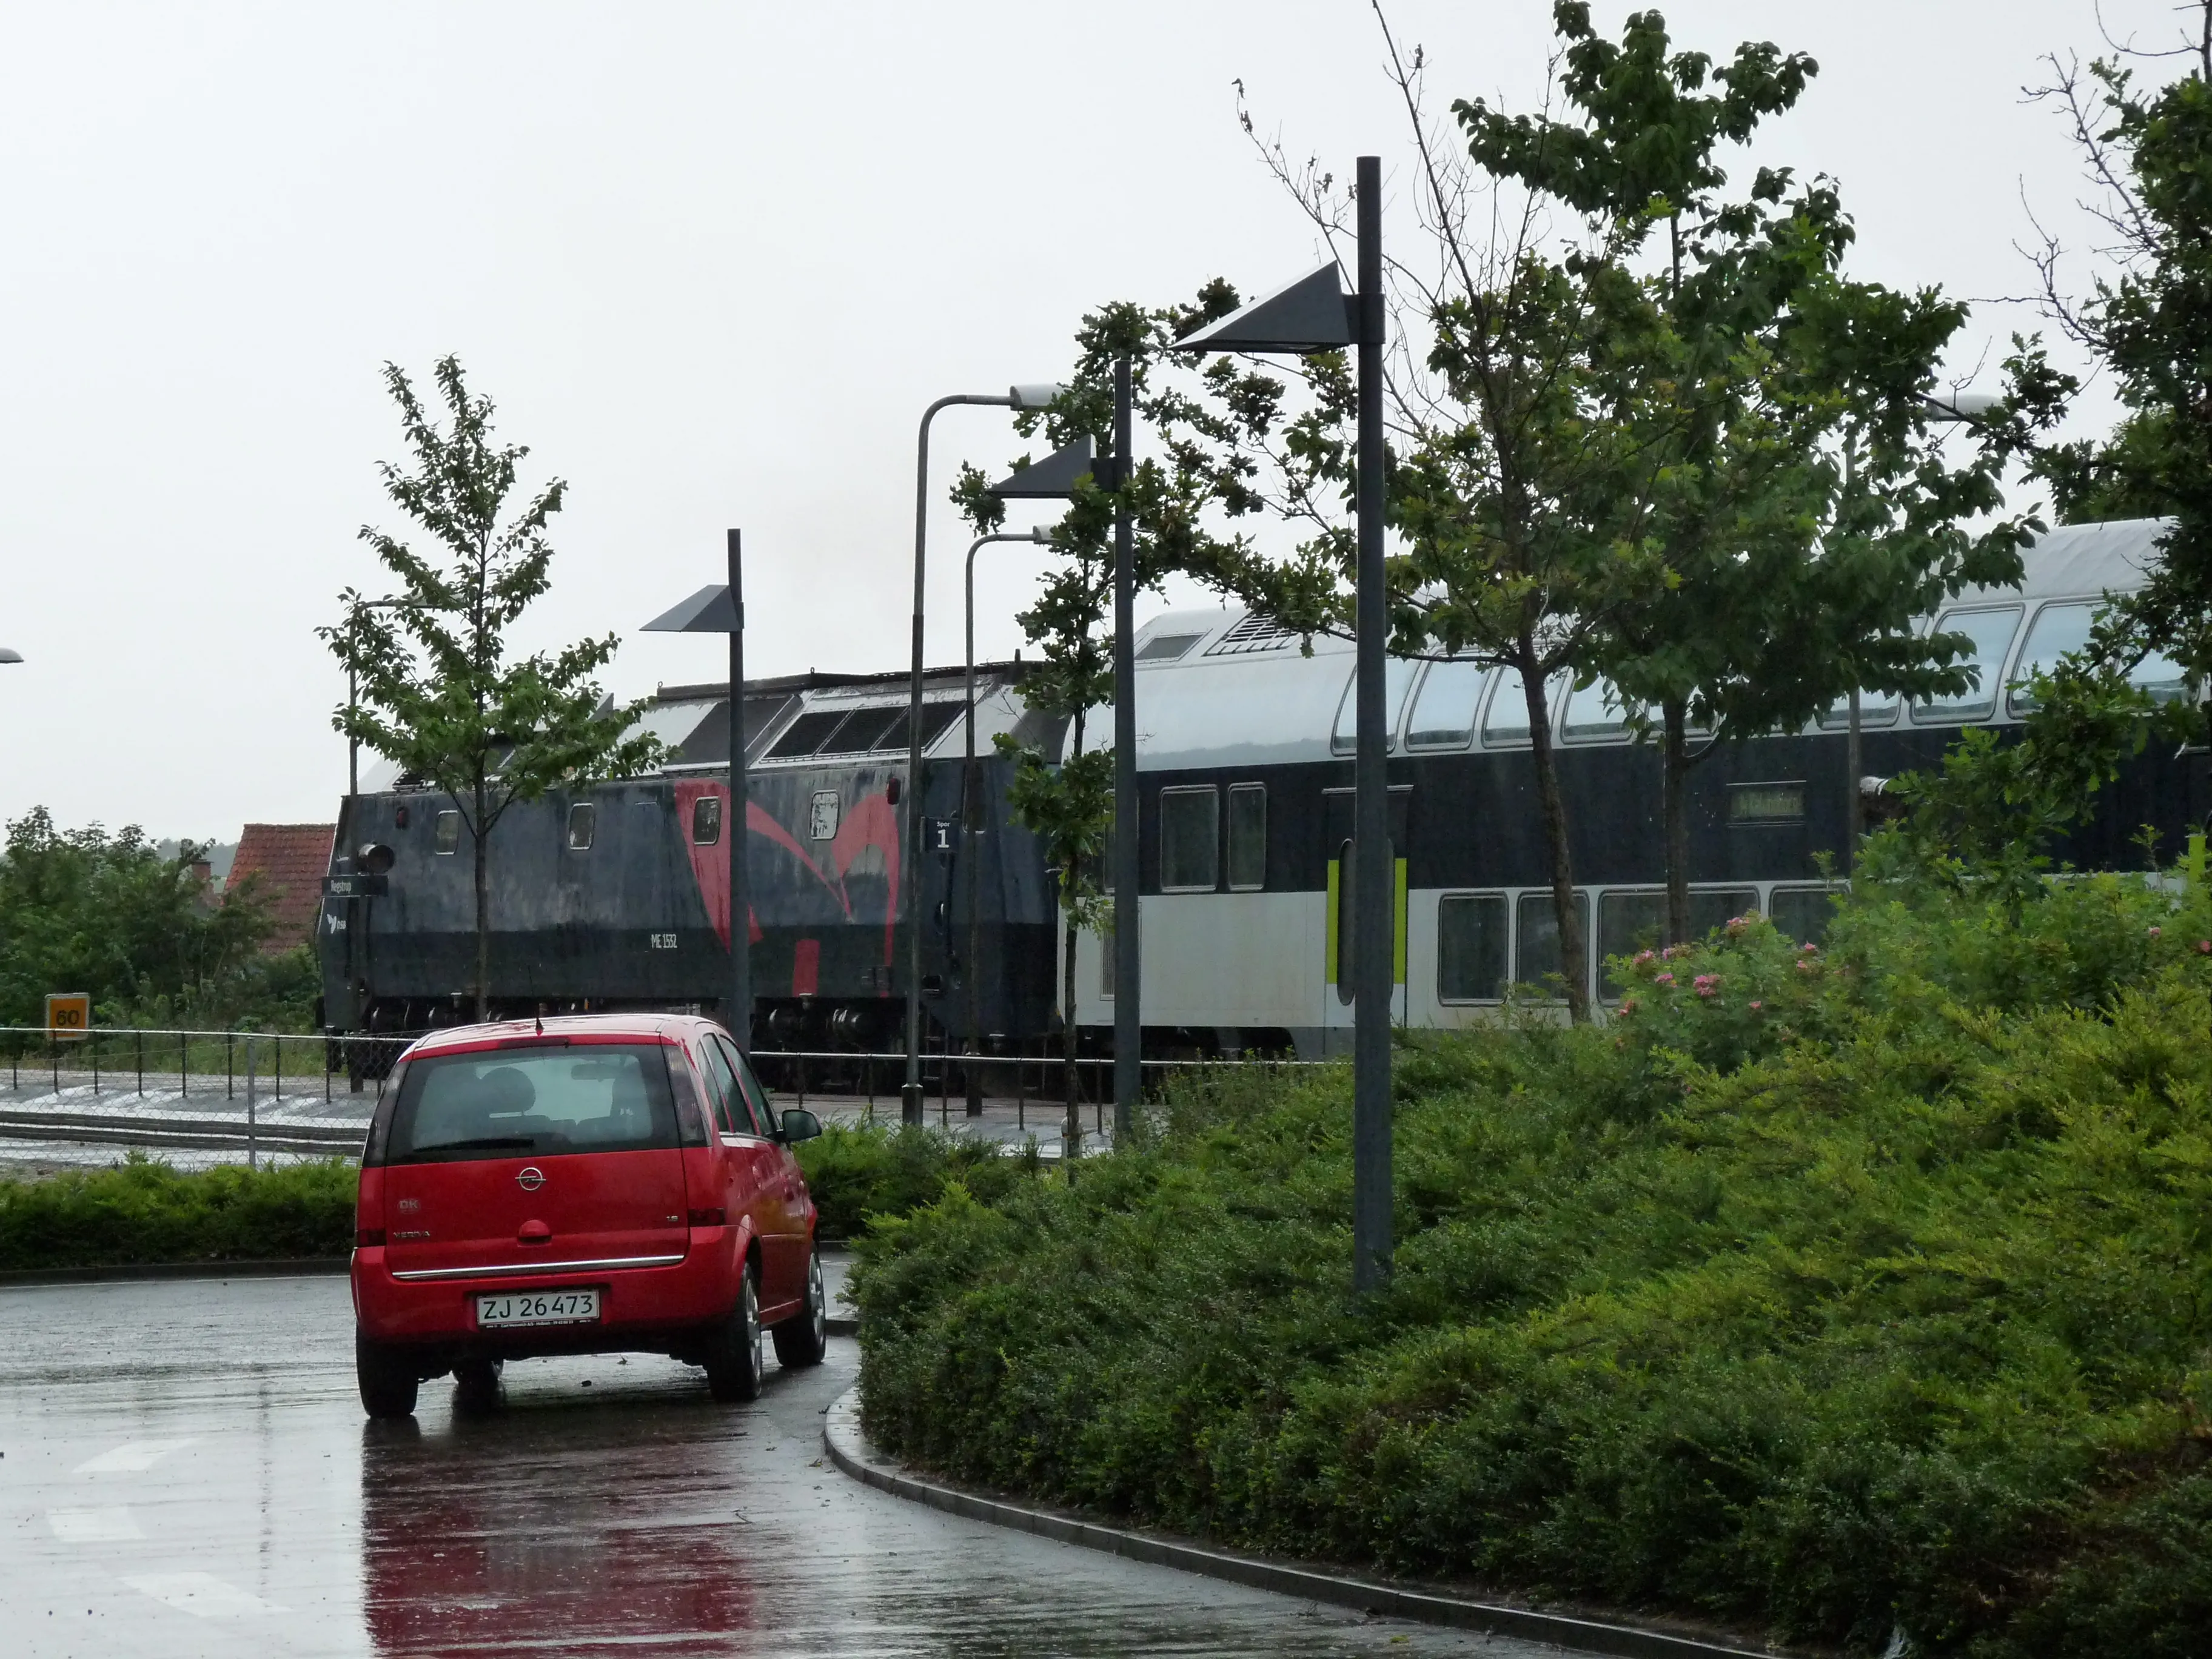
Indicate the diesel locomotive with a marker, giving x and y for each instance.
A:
(614, 895)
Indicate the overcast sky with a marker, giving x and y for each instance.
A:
(712, 261)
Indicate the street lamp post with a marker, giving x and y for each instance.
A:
(1020, 398)
(971, 813)
(1314, 314)
(722, 610)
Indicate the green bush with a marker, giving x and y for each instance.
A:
(145, 1211)
(1828, 1294)
(857, 1170)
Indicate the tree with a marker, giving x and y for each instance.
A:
(1069, 803)
(105, 913)
(2147, 325)
(439, 693)
(1802, 514)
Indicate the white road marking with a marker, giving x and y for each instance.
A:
(108, 1526)
(201, 1594)
(133, 1457)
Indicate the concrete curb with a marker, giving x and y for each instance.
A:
(849, 1451)
(291, 1269)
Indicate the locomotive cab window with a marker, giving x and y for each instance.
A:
(583, 824)
(1988, 634)
(1536, 952)
(1444, 708)
(706, 820)
(448, 829)
(1247, 837)
(1875, 708)
(1190, 839)
(1471, 931)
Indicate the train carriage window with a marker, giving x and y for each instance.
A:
(804, 735)
(583, 825)
(1594, 713)
(1247, 837)
(2061, 630)
(1445, 707)
(706, 820)
(448, 829)
(1505, 723)
(1801, 913)
(1536, 944)
(1190, 839)
(1989, 633)
(1718, 908)
(1470, 947)
(1397, 679)
(1631, 922)
(1875, 708)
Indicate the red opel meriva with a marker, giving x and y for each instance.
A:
(582, 1185)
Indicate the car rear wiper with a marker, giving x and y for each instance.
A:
(484, 1143)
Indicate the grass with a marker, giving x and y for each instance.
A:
(1834, 1297)
(143, 1212)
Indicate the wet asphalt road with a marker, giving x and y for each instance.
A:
(188, 1471)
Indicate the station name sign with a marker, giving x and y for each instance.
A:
(355, 886)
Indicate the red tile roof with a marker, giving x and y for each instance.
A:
(291, 859)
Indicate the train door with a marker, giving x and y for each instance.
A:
(1336, 1010)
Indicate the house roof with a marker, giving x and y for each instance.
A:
(291, 859)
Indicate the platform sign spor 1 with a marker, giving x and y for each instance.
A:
(68, 1016)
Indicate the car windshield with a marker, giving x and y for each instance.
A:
(533, 1101)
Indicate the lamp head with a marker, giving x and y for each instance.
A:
(1034, 395)
(6, 655)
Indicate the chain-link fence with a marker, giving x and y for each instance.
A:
(194, 1096)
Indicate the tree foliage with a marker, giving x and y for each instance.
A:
(439, 692)
(104, 912)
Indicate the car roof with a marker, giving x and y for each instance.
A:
(654, 1028)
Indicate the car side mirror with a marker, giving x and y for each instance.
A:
(799, 1124)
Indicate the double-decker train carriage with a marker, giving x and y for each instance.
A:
(1245, 775)
(616, 895)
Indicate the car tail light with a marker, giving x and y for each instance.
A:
(706, 1218)
(363, 1237)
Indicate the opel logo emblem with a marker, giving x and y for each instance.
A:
(531, 1179)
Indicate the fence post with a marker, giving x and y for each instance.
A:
(184, 1065)
(276, 1072)
(229, 1070)
(93, 1044)
(252, 1152)
(138, 1044)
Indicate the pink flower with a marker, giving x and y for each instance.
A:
(1809, 948)
(1706, 984)
(1640, 958)
(1737, 925)
(2153, 933)
(1666, 979)
(1628, 1004)
(1756, 1005)
(2204, 947)
(1807, 965)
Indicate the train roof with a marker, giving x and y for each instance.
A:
(1227, 687)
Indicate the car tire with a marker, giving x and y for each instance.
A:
(734, 1364)
(476, 1384)
(386, 1376)
(805, 1339)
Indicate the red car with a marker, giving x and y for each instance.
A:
(594, 1184)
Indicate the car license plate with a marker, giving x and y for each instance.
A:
(539, 1308)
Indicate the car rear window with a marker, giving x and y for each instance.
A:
(533, 1102)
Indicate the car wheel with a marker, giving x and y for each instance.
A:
(387, 1377)
(734, 1365)
(804, 1340)
(476, 1384)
